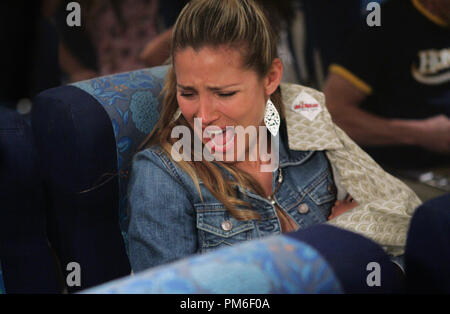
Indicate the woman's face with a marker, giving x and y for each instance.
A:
(213, 85)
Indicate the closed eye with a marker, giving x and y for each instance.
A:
(227, 94)
(186, 95)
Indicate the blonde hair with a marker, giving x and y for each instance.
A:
(239, 24)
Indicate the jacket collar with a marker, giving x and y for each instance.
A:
(289, 157)
(301, 133)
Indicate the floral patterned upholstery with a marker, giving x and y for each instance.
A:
(131, 100)
(86, 135)
(277, 264)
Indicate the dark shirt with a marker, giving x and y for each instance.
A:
(404, 67)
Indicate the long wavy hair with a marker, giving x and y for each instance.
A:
(239, 24)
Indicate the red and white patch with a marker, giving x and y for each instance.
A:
(307, 106)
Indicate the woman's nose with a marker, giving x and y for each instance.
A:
(206, 110)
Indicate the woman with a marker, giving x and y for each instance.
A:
(226, 75)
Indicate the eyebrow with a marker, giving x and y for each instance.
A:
(212, 88)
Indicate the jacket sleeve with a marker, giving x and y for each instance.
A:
(162, 218)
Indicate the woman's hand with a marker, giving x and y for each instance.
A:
(157, 51)
(341, 207)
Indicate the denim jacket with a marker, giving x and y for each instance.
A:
(168, 220)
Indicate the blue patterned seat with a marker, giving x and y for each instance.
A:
(319, 259)
(276, 264)
(86, 135)
(131, 101)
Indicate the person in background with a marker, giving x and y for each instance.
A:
(110, 40)
(390, 89)
(327, 24)
(282, 15)
(157, 50)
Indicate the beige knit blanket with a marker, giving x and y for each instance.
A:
(385, 203)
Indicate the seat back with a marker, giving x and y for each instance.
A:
(131, 100)
(87, 134)
(28, 265)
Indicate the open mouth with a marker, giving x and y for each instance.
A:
(220, 140)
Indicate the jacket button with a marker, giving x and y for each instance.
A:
(303, 208)
(226, 225)
(331, 189)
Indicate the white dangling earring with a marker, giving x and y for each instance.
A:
(272, 118)
(177, 115)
